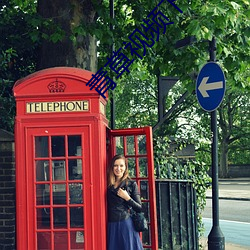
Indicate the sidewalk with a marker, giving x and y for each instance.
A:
(231, 194)
(228, 246)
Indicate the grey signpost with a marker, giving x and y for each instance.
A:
(210, 90)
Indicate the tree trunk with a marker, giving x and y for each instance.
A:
(223, 166)
(73, 51)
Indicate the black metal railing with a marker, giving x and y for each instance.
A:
(176, 211)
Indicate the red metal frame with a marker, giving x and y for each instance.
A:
(32, 183)
(135, 132)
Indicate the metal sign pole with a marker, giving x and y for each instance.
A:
(216, 240)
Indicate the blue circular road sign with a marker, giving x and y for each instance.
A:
(210, 86)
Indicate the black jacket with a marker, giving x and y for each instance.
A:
(118, 208)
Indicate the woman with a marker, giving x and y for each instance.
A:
(122, 195)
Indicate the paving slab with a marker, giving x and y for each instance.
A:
(228, 246)
(242, 192)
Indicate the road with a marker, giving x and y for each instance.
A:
(232, 210)
(234, 213)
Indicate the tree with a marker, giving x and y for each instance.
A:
(66, 33)
(17, 54)
(69, 39)
(228, 22)
(75, 24)
(48, 33)
(234, 117)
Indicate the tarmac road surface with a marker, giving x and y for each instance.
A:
(234, 206)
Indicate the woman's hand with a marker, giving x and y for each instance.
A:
(123, 194)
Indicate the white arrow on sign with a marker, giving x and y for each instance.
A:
(204, 86)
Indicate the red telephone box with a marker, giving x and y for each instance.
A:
(62, 150)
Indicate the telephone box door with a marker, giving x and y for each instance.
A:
(136, 145)
(59, 188)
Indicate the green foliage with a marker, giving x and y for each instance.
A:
(234, 117)
(22, 31)
(16, 42)
(17, 55)
(228, 21)
(193, 170)
(7, 106)
(137, 105)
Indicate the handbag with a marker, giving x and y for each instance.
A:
(139, 221)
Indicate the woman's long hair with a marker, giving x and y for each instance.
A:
(111, 175)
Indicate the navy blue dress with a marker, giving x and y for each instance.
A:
(121, 231)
